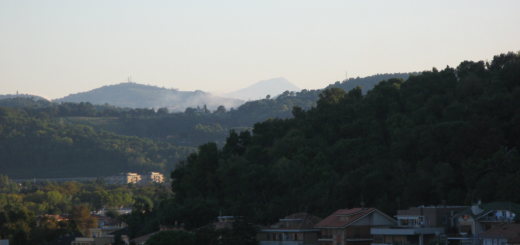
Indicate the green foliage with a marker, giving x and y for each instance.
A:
(447, 134)
(46, 148)
(18, 207)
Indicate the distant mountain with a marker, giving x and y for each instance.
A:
(260, 90)
(135, 95)
(12, 96)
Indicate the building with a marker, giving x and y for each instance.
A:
(153, 177)
(127, 178)
(226, 222)
(295, 229)
(418, 225)
(131, 178)
(480, 217)
(506, 233)
(352, 226)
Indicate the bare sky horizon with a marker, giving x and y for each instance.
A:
(56, 48)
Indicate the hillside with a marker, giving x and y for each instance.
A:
(29, 96)
(367, 83)
(449, 134)
(134, 95)
(260, 90)
(189, 128)
(41, 147)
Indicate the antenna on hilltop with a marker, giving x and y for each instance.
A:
(346, 75)
(130, 79)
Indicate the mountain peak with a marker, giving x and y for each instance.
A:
(260, 90)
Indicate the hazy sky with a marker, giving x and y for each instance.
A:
(55, 48)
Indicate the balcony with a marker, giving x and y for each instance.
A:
(359, 238)
(324, 238)
(495, 219)
(406, 231)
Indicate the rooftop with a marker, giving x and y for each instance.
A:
(297, 221)
(354, 214)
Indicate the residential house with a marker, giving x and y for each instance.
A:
(124, 178)
(295, 229)
(352, 226)
(481, 217)
(153, 177)
(417, 225)
(504, 234)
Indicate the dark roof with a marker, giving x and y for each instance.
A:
(66, 239)
(354, 215)
(301, 221)
(143, 238)
(222, 225)
(124, 231)
(488, 207)
(508, 231)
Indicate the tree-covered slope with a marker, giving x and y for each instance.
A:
(41, 147)
(442, 135)
(367, 83)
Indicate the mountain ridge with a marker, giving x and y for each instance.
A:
(261, 89)
(136, 95)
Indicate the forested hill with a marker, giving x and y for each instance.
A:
(367, 83)
(452, 135)
(145, 96)
(42, 147)
(30, 96)
(192, 127)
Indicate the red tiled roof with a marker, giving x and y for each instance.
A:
(307, 222)
(333, 219)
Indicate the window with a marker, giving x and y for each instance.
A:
(267, 236)
(295, 237)
(357, 232)
(445, 219)
(404, 222)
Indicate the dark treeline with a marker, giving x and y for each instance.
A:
(42, 147)
(442, 135)
(369, 82)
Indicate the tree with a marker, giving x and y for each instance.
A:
(221, 110)
(331, 96)
(162, 111)
(81, 217)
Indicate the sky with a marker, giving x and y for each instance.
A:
(56, 48)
